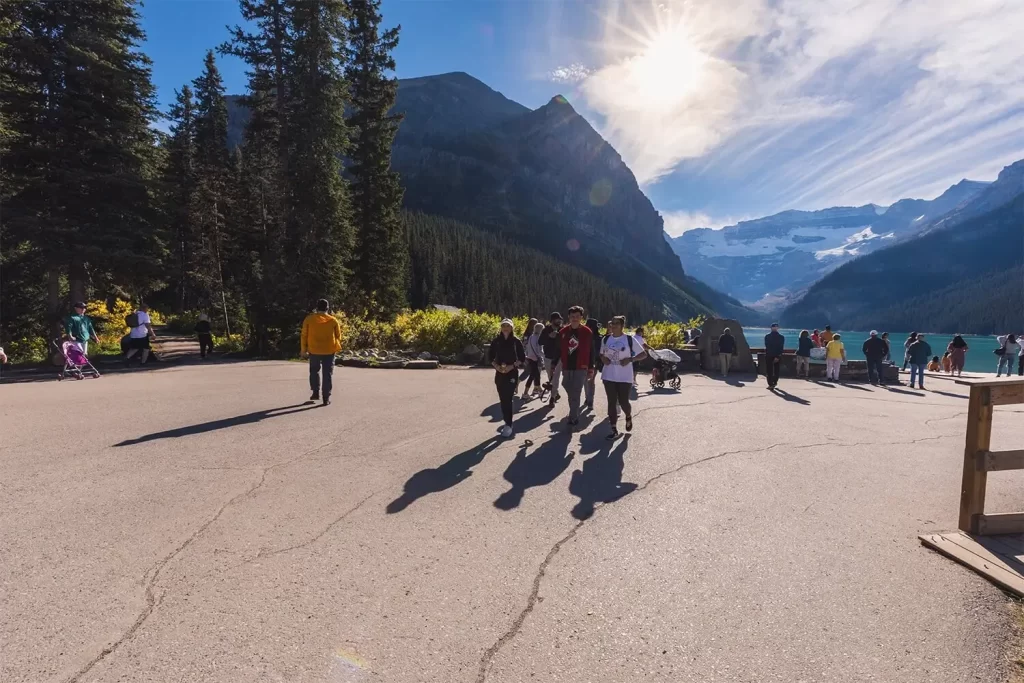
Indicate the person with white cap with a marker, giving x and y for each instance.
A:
(874, 350)
(774, 347)
(506, 356)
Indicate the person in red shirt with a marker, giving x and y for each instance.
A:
(576, 341)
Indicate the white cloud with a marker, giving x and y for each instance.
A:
(678, 222)
(573, 73)
(823, 102)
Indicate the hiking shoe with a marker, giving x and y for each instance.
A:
(327, 401)
(589, 405)
(315, 396)
(614, 434)
(629, 423)
(506, 432)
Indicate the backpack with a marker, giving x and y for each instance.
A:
(132, 320)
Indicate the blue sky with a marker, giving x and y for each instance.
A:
(724, 110)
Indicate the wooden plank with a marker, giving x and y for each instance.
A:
(992, 382)
(961, 548)
(1007, 394)
(1001, 461)
(979, 435)
(1002, 523)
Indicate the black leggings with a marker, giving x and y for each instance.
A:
(532, 375)
(618, 394)
(205, 344)
(506, 383)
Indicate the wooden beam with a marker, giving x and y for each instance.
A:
(1008, 394)
(1003, 523)
(998, 568)
(1001, 461)
(979, 435)
(992, 382)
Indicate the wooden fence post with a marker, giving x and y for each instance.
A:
(979, 435)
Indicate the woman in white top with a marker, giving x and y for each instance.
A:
(534, 358)
(618, 353)
(1011, 348)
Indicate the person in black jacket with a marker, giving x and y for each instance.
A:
(205, 335)
(591, 385)
(726, 350)
(803, 354)
(875, 350)
(552, 344)
(506, 356)
(774, 345)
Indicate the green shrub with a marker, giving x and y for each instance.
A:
(234, 343)
(665, 335)
(25, 350)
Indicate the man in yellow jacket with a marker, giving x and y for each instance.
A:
(321, 339)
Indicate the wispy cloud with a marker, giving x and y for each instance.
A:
(573, 73)
(813, 103)
(678, 222)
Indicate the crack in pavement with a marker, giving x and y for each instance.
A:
(153, 573)
(531, 602)
(941, 419)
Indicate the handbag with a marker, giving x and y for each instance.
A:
(1001, 351)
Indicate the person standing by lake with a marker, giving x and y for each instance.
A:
(906, 348)
(827, 335)
(551, 343)
(506, 356)
(803, 354)
(918, 354)
(205, 335)
(79, 328)
(774, 346)
(319, 341)
(726, 350)
(534, 358)
(1010, 352)
(835, 356)
(957, 355)
(874, 351)
(888, 348)
(618, 353)
(577, 360)
(1020, 357)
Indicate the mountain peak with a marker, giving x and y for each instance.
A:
(558, 103)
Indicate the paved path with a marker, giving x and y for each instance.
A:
(199, 523)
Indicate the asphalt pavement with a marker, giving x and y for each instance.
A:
(201, 522)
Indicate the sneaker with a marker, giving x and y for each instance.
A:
(315, 396)
(588, 405)
(614, 434)
(629, 423)
(327, 401)
(572, 424)
(506, 432)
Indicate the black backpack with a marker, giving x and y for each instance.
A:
(132, 320)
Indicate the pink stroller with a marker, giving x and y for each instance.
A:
(75, 362)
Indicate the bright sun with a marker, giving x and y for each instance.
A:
(669, 69)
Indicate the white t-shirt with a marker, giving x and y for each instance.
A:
(637, 339)
(616, 349)
(141, 331)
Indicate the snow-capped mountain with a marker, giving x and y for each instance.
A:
(769, 261)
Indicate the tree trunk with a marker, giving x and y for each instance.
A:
(54, 307)
(76, 278)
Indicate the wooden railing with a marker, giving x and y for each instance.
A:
(979, 460)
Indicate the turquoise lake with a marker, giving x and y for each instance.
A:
(979, 357)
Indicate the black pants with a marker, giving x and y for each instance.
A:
(205, 344)
(874, 371)
(506, 383)
(618, 394)
(771, 372)
(316, 362)
(532, 375)
(1020, 366)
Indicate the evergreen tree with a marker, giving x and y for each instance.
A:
(381, 250)
(179, 187)
(79, 104)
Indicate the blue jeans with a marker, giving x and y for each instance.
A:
(917, 368)
(316, 362)
(1007, 362)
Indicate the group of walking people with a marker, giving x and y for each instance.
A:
(571, 354)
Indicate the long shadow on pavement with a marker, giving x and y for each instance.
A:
(213, 425)
(539, 468)
(792, 398)
(458, 468)
(903, 391)
(947, 393)
(600, 479)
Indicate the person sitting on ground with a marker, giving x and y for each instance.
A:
(835, 356)
(140, 336)
(79, 328)
(935, 365)
(320, 341)
(618, 352)
(957, 350)
(506, 355)
(947, 363)
(803, 353)
(726, 350)
(205, 335)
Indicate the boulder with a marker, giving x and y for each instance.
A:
(426, 355)
(712, 329)
(472, 355)
(421, 365)
(390, 364)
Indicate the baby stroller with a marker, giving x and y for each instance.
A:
(75, 362)
(665, 365)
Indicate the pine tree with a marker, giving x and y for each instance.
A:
(319, 232)
(179, 186)
(79, 104)
(381, 251)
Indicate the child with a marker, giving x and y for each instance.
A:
(947, 364)
(934, 365)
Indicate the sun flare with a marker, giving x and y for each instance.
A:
(668, 70)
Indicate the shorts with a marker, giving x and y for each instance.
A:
(138, 343)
